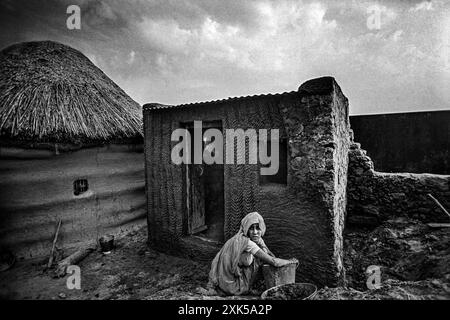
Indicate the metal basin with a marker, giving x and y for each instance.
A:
(292, 291)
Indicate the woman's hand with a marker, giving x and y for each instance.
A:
(281, 262)
(276, 262)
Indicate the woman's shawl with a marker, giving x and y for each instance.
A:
(225, 271)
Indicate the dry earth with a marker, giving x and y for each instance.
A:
(414, 260)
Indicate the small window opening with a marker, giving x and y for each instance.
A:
(80, 186)
(281, 176)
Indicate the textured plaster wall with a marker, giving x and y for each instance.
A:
(36, 192)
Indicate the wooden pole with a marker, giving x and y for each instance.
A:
(74, 258)
(438, 203)
(50, 260)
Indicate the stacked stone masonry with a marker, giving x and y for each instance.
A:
(374, 197)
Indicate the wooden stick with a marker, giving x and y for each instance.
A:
(439, 225)
(74, 258)
(50, 260)
(440, 205)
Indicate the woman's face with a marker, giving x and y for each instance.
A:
(254, 232)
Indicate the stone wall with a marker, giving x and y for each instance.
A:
(374, 197)
(318, 130)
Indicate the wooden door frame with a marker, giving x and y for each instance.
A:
(187, 181)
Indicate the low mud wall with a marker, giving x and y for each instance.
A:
(374, 196)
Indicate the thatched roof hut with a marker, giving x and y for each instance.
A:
(70, 149)
(50, 92)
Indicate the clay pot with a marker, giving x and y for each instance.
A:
(106, 243)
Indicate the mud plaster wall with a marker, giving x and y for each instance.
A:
(305, 217)
(374, 197)
(36, 192)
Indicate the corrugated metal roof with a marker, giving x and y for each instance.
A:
(322, 85)
(155, 106)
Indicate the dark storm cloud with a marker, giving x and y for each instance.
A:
(175, 51)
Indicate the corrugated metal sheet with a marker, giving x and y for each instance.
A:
(158, 106)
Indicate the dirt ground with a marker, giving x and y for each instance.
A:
(414, 260)
(130, 271)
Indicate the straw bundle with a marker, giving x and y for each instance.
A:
(50, 92)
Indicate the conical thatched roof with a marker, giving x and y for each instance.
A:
(50, 92)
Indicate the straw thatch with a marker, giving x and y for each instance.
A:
(50, 92)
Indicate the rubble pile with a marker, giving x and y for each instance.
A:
(414, 260)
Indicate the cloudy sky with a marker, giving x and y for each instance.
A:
(387, 56)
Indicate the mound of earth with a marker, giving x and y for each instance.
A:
(413, 259)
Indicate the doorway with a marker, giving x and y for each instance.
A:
(204, 189)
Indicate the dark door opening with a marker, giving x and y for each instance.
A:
(205, 193)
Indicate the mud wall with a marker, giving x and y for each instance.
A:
(374, 197)
(36, 192)
(416, 142)
(305, 217)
